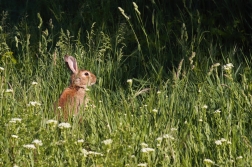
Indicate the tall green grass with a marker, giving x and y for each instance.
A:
(196, 114)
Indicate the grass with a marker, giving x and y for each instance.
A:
(196, 114)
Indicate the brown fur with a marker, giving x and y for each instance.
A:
(74, 96)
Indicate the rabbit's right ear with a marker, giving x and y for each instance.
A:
(72, 63)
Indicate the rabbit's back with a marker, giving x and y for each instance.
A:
(70, 100)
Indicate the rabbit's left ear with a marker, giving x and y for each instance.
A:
(72, 63)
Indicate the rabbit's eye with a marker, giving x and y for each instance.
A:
(86, 74)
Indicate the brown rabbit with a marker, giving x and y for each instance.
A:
(74, 96)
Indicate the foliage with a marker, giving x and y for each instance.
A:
(165, 96)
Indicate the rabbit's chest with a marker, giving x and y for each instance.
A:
(79, 97)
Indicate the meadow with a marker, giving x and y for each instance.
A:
(183, 103)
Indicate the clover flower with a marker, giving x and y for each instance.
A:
(1, 68)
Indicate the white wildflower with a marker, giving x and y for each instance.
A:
(146, 150)
(8, 91)
(37, 142)
(223, 140)
(129, 81)
(200, 120)
(14, 136)
(15, 120)
(1, 68)
(94, 153)
(30, 146)
(239, 157)
(205, 106)
(174, 129)
(155, 110)
(85, 152)
(34, 83)
(208, 161)
(217, 111)
(34, 103)
(15, 165)
(60, 142)
(167, 136)
(80, 141)
(218, 142)
(51, 122)
(64, 125)
(159, 139)
(228, 66)
(144, 145)
(142, 164)
(158, 92)
(107, 142)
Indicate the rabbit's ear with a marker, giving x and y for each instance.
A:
(72, 63)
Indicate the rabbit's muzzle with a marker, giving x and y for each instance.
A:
(84, 79)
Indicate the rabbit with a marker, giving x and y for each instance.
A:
(73, 97)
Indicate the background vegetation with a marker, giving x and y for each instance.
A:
(174, 83)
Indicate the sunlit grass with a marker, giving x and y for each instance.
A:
(198, 114)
